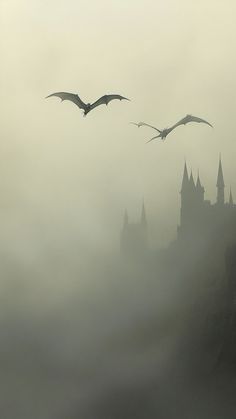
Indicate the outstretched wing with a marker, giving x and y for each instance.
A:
(70, 96)
(190, 118)
(106, 99)
(141, 124)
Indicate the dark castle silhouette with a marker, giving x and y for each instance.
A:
(201, 221)
(203, 255)
(199, 218)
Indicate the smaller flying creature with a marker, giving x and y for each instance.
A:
(87, 107)
(163, 133)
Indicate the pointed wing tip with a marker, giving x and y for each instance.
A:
(52, 94)
(208, 123)
(197, 119)
(153, 138)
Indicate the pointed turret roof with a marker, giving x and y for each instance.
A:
(231, 202)
(191, 181)
(220, 177)
(185, 180)
(198, 184)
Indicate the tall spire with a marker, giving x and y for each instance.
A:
(198, 184)
(231, 202)
(220, 184)
(185, 180)
(220, 177)
(191, 181)
(199, 188)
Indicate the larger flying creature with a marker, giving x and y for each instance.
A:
(163, 133)
(87, 107)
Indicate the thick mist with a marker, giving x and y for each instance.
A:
(83, 332)
(170, 58)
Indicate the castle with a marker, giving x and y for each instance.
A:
(200, 220)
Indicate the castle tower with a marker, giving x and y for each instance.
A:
(200, 190)
(200, 219)
(192, 197)
(192, 185)
(220, 185)
(185, 196)
(185, 180)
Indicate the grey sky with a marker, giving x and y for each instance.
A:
(169, 57)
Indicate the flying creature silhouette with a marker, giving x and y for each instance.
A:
(87, 107)
(163, 133)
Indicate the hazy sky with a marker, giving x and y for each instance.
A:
(65, 181)
(71, 177)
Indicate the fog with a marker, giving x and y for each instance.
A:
(84, 333)
(170, 58)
